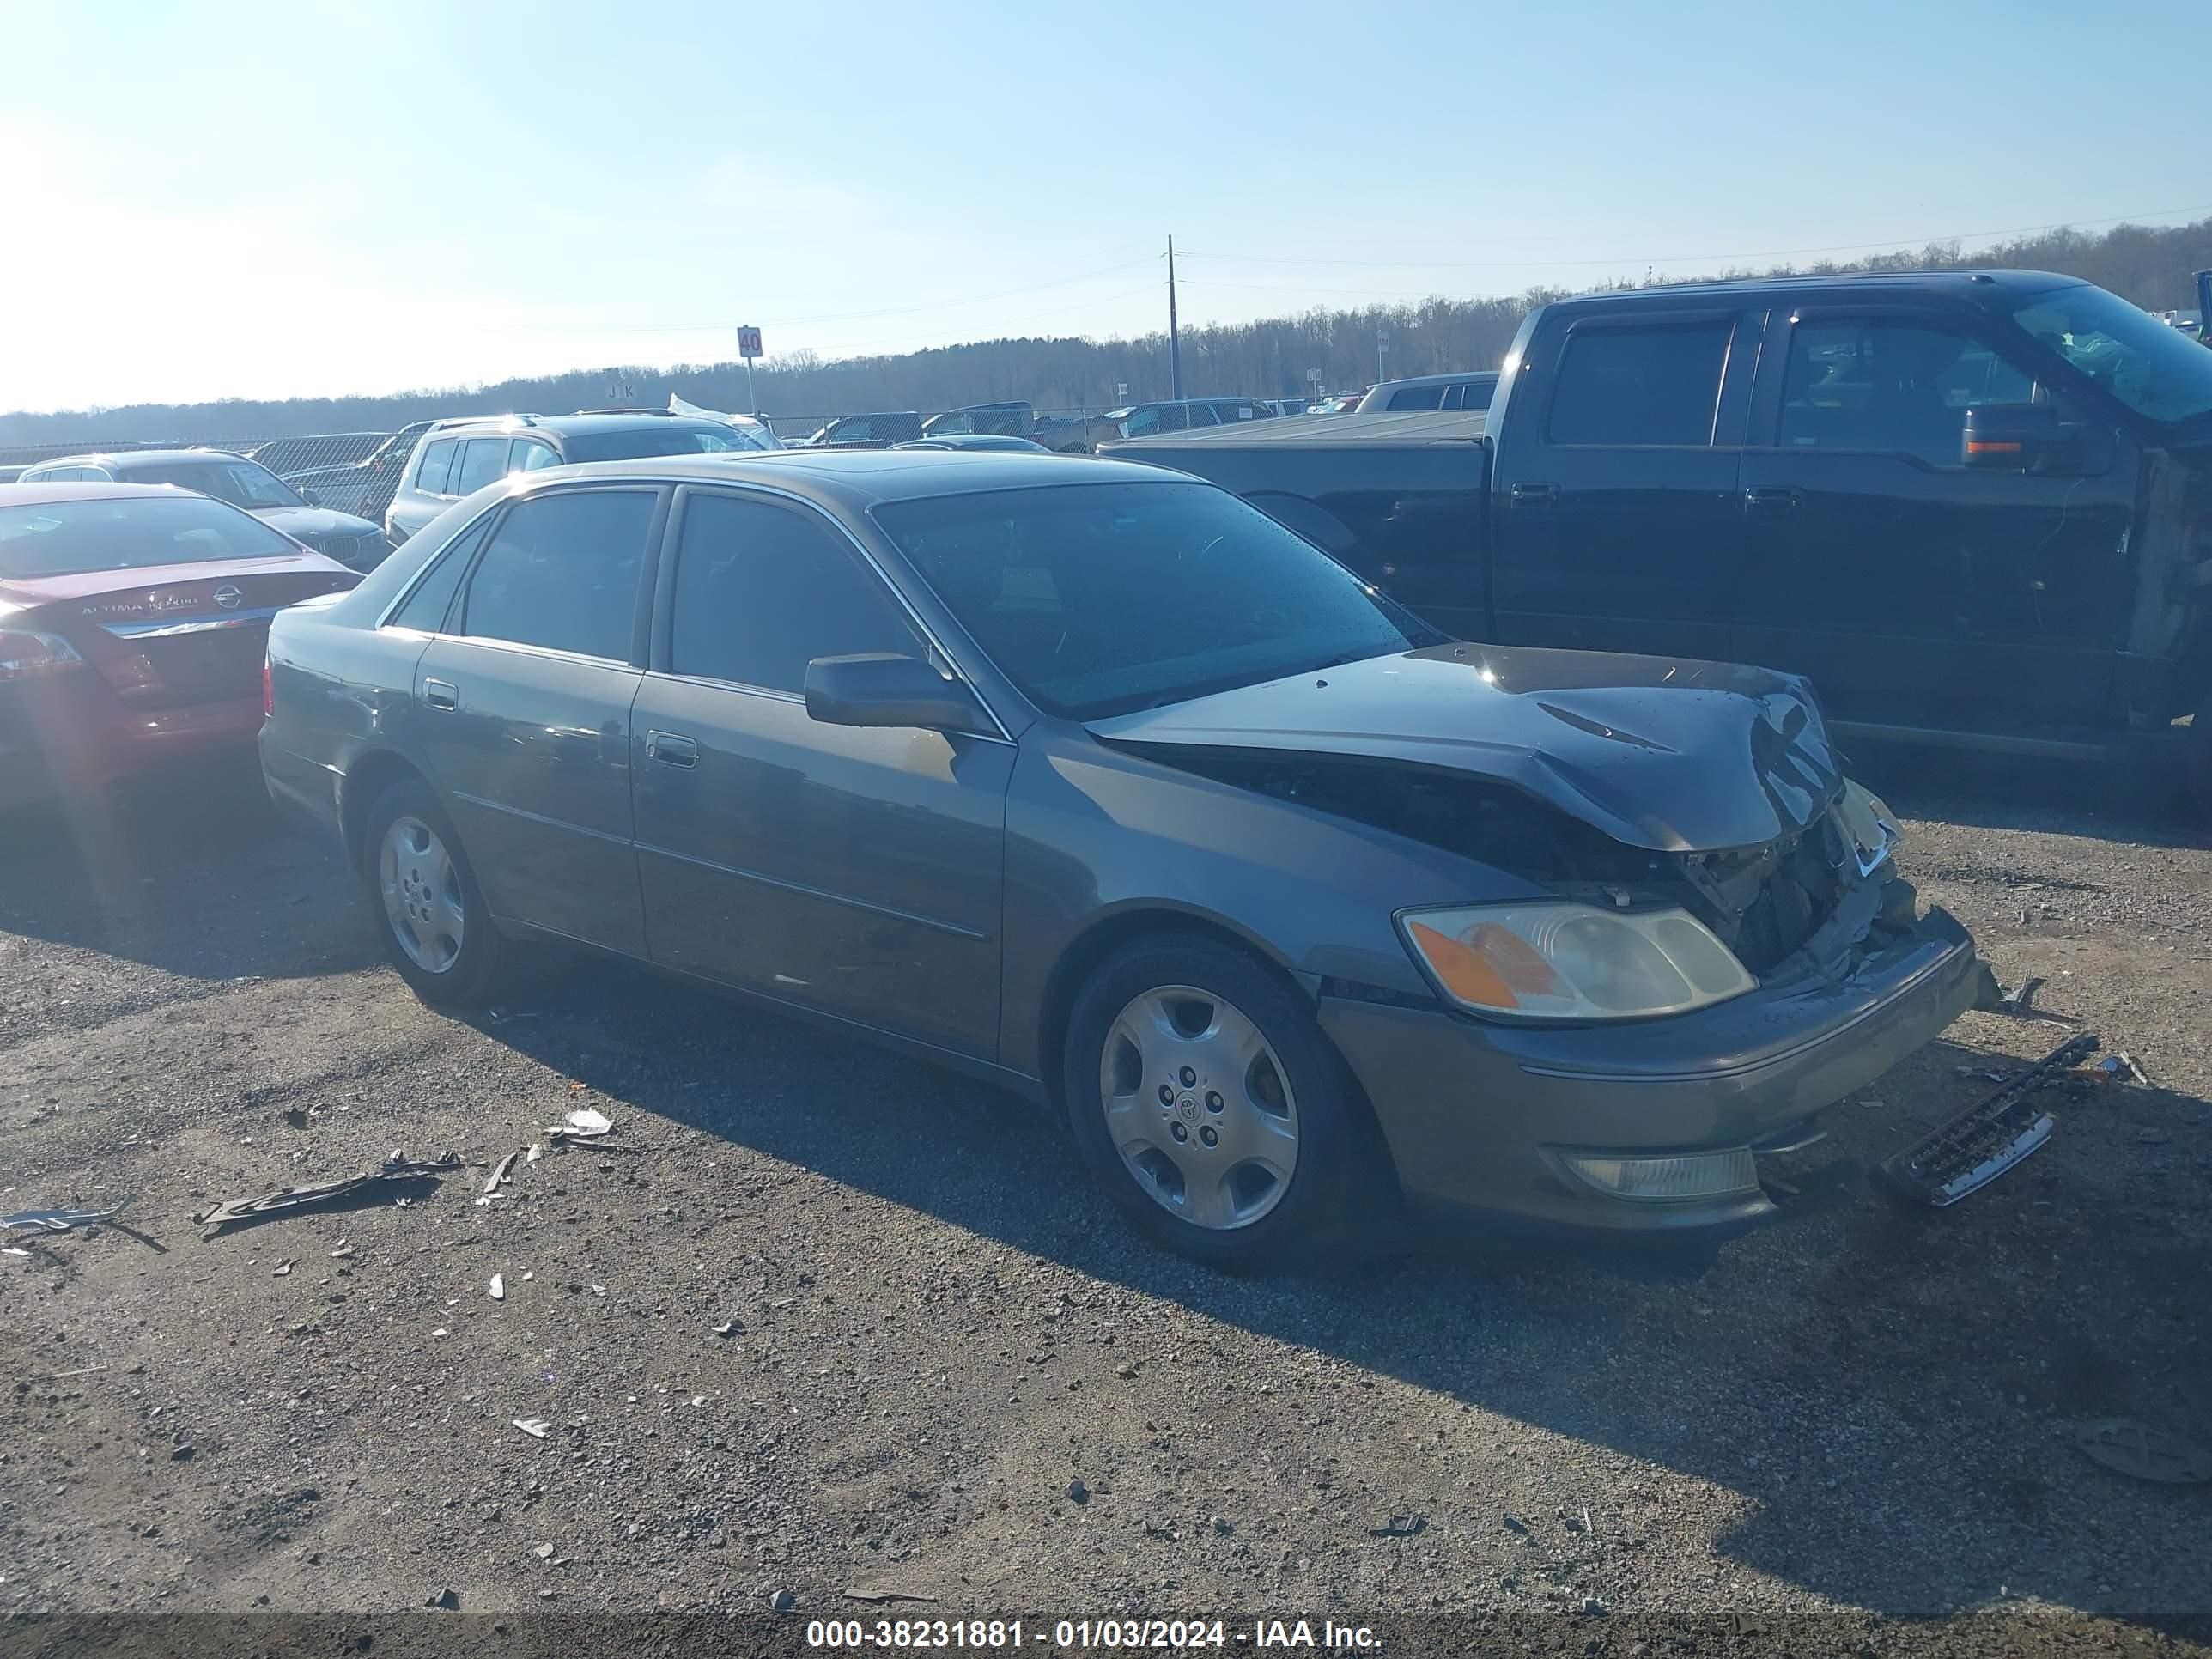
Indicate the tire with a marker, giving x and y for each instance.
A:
(1289, 1200)
(414, 866)
(2197, 763)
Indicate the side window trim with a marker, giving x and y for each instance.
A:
(657, 659)
(651, 563)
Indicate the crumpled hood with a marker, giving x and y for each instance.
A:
(314, 524)
(1658, 752)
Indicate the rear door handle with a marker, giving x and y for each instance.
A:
(1773, 498)
(440, 693)
(672, 748)
(1532, 495)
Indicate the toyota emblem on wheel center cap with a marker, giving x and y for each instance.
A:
(228, 596)
(1186, 1108)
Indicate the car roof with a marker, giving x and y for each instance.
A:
(1975, 287)
(41, 494)
(569, 426)
(1436, 380)
(857, 479)
(126, 458)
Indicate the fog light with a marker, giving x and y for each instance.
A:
(1691, 1175)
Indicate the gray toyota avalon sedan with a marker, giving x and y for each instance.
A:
(1100, 784)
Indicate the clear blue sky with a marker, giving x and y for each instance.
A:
(207, 201)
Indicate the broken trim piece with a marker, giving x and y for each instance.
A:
(1983, 1142)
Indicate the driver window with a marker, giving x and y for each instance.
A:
(1891, 385)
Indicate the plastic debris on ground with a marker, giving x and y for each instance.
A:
(398, 1168)
(498, 1288)
(2148, 1454)
(60, 1221)
(536, 1427)
(1973, 1148)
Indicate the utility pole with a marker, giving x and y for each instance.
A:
(1175, 336)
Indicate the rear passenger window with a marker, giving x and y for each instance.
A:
(762, 590)
(1203, 415)
(1658, 385)
(483, 460)
(562, 571)
(1416, 396)
(437, 467)
(530, 456)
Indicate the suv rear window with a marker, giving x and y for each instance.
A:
(437, 464)
(1655, 385)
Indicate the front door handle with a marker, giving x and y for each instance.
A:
(672, 748)
(1533, 494)
(1773, 498)
(440, 693)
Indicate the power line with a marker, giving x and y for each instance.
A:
(1690, 259)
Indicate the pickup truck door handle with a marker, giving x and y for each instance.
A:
(440, 693)
(1773, 498)
(670, 749)
(1532, 495)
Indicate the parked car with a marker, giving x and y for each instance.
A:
(863, 432)
(132, 622)
(998, 441)
(285, 456)
(1971, 506)
(1012, 420)
(10, 473)
(462, 459)
(1338, 403)
(1099, 784)
(1288, 405)
(354, 541)
(1146, 420)
(365, 487)
(1429, 391)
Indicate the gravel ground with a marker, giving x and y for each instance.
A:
(831, 1320)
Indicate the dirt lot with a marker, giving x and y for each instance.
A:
(935, 1327)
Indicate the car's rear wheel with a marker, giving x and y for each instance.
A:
(1206, 1099)
(430, 913)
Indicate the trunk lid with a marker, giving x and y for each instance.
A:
(173, 634)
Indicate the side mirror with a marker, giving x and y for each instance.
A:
(878, 689)
(311, 498)
(2016, 438)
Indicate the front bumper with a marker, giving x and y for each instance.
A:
(1478, 1115)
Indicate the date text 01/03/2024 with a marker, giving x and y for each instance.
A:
(989, 1634)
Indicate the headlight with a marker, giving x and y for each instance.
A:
(1563, 961)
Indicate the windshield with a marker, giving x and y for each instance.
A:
(1096, 600)
(241, 483)
(60, 539)
(633, 443)
(2156, 371)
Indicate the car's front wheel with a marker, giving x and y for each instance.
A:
(1204, 1097)
(431, 916)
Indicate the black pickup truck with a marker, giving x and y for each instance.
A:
(1975, 507)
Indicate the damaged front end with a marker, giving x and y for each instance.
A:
(1804, 901)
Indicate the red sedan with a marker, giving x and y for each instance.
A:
(133, 623)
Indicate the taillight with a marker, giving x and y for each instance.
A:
(24, 652)
(268, 690)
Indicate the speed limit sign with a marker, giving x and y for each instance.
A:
(748, 344)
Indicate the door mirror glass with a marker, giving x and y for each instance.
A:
(2019, 438)
(878, 689)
